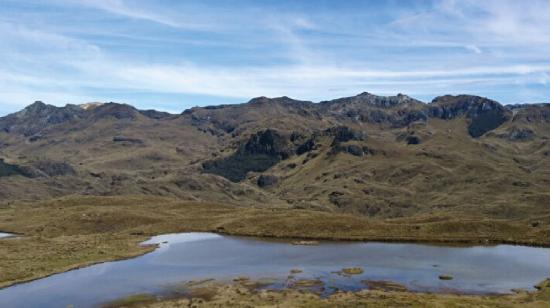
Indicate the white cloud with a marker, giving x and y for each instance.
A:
(303, 81)
(119, 7)
(452, 46)
(474, 48)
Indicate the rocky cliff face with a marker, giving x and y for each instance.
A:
(483, 114)
(260, 152)
(535, 113)
(397, 111)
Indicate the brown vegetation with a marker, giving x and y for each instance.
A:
(76, 231)
(214, 294)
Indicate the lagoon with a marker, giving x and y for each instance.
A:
(184, 257)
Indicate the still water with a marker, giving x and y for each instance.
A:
(195, 256)
(2, 234)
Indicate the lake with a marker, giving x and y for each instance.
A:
(195, 256)
(3, 234)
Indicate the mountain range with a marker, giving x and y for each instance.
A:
(379, 156)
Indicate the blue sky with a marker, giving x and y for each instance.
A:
(172, 55)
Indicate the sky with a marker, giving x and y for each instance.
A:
(173, 55)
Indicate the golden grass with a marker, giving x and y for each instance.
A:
(71, 232)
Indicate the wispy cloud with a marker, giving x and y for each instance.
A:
(245, 49)
(119, 7)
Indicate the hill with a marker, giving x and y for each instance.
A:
(371, 155)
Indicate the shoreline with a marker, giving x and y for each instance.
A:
(76, 267)
(60, 235)
(397, 239)
(152, 247)
(247, 292)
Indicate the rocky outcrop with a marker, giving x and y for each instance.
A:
(36, 118)
(352, 149)
(397, 111)
(54, 168)
(485, 121)
(305, 147)
(408, 117)
(516, 134)
(268, 142)
(451, 106)
(260, 152)
(372, 100)
(345, 140)
(268, 147)
(39, 116)
(531, 113)
(483, 114)
(343, 134)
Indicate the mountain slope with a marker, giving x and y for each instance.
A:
(371, 155)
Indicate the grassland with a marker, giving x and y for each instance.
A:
(71, 232)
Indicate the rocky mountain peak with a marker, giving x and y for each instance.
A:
(259, 100)
(451, 106)
(35, 108)
(38, 116)
(275, 100)
(483, 114)
(35, 118)
(115, 110)
(373, 100)
(37, 105)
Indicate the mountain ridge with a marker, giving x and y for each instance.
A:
(366, 154)
(364, 97)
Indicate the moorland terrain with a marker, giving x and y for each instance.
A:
(86, 183)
